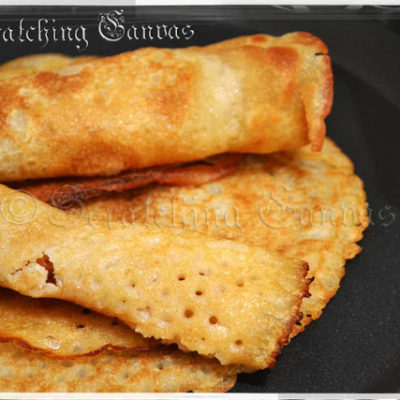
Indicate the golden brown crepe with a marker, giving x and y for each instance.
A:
(63, 329)
(266, 202)
(174, 285)
(157, 106)
(166, 370)
(300, 203)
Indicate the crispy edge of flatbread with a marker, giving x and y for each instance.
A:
(63, 330)
(163, 370)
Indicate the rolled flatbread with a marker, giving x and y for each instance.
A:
(159, 106)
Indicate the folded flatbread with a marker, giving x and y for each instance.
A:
(159, 106)
(300, 203)
(62, 329)
(267, 201)
(166, 370)
(178, 286)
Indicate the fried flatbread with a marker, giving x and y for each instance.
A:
(161, 106)
(198, 292)
(65, 192)
(62, 329)
(166, 370)
(299, 203)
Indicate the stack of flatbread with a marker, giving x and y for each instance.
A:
(168, 218)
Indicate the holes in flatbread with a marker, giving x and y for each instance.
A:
(240, 284)
(188, 313)
(133, 284)
(239, 342)
(80, 326)
(202, 273)
(298, 323)
(48, 265)
(181, 277)
(199, 292)
(160, 366)
(220, 290)
(213, 320)
(85, 311)
(81, 373)
(125, 376)
(114, 323)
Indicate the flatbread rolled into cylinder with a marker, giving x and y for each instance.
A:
(154, 106)
(181, 287)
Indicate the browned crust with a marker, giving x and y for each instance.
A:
(348, 255)
(340, 165)
(318, 140)
(66, 192)
(91, 148)
(317, 134)
(286, 336)
(296, 318)
(28, 346)
(317, 128)
(190, 369)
